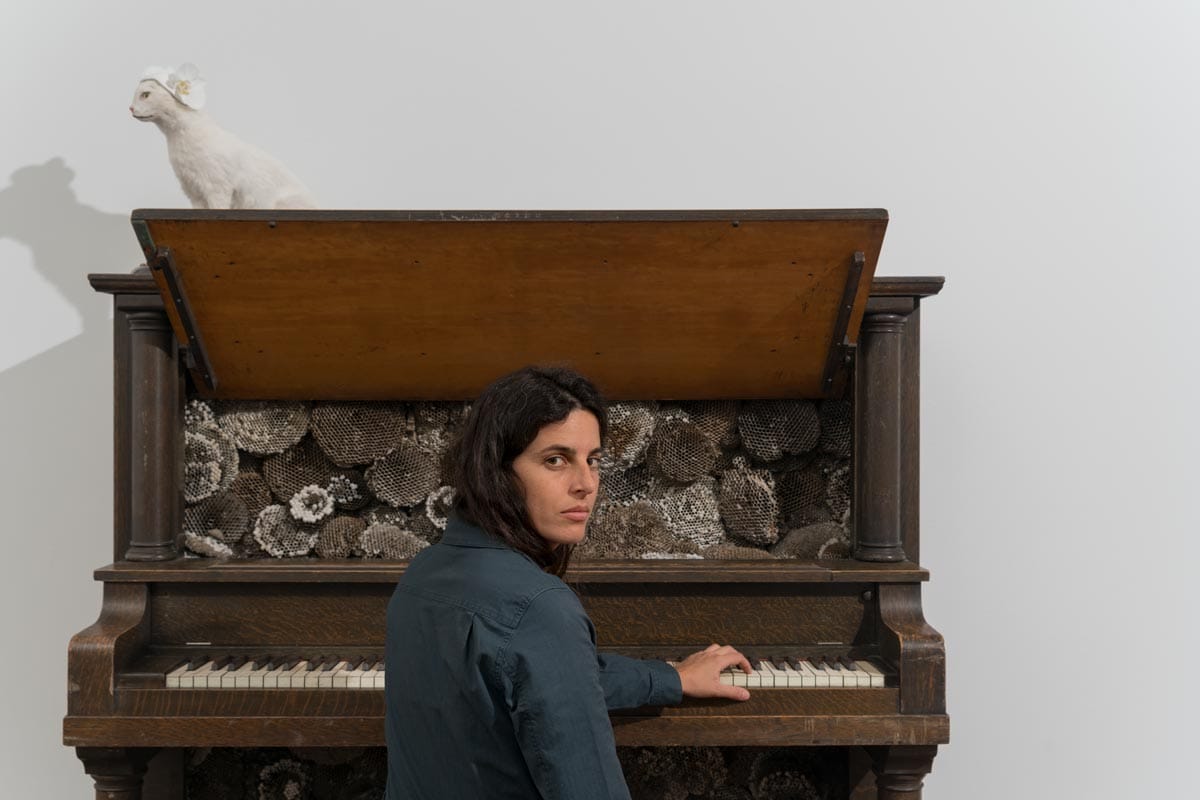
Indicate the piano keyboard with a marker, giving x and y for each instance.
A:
(366, 672)
(267, 672)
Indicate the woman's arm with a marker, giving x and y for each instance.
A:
(634, 682)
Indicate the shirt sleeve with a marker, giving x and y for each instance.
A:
(634, 682)
(556, 702)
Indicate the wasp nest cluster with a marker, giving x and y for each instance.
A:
(285, 774)
(704, 479)
(652, 773)
(724, 479)
(332, 480)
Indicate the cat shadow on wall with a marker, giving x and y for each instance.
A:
(56, 412)
(68, 239)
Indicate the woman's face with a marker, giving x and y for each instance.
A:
(560, 473)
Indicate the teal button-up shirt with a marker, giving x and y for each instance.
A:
(494, 686)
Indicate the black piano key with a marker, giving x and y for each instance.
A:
(794, 662)
(221, 663)
(848, 663)
(778, 662)
(352, 664)
(329, 663)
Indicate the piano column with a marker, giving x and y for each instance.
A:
(117, 771)
(155, 430)
(877, 421)
(900, 771)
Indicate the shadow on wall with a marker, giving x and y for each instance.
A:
(68, 239)
(56, 429)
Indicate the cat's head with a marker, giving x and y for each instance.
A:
(152, 103)
(165, 94)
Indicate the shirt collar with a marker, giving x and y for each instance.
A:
(462, 534)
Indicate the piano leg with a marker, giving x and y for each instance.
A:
(900, 770)
(117, 771)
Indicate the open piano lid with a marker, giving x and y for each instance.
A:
(434, 305)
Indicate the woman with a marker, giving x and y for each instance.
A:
(494, 685)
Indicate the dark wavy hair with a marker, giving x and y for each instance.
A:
(502, 422)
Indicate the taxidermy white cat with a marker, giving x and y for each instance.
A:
(215, 168)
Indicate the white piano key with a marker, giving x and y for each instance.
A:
(788, 677)
(778, 677)
(329, 678)
(293, 678)
(258, 677)
(271, 677)
(241, 678)
(862, 679)
(835, 675)
(820, 676)
(197, 678)
(795, 678)
(312, 677)
(226, 678)
(229, 677)
(341, 674)
(849, 678)
(174, 675)
(875, 675)
(212, 680)
(767, 675)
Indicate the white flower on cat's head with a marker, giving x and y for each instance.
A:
(183, 82)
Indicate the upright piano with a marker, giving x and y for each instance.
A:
(213, 633)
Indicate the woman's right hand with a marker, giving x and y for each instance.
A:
(700, 673)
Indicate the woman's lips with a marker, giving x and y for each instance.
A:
(578, 516)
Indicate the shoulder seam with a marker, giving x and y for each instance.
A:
(502, 653)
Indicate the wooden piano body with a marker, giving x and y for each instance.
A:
(433, 306)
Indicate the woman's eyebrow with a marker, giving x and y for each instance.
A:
(564, 449)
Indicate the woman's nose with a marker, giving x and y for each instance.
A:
(586, 480)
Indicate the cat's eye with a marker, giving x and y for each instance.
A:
(145, 95)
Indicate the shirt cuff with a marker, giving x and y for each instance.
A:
(666, 689)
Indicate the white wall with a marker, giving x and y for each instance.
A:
(1040, 155)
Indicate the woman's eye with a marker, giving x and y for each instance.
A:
(554, 458)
